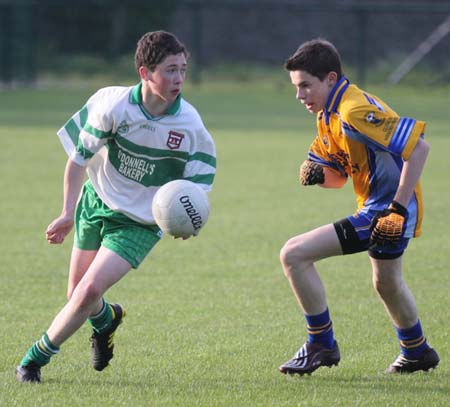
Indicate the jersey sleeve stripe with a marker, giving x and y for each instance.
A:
(203, 157)
(83, 115)
(321, 161)
(83, 151)
(73, 131)
(202, 178)
(95, 132)
(401, 134)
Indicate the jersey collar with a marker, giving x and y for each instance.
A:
(335, 97)
(136, 99)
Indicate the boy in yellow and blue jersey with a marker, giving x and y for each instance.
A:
(361, 137)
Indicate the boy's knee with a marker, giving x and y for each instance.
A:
(387, 287)
(286, 254)
(70, 291)
(292, 254)
(87, 293)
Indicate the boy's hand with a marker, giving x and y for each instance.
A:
(388, 226)
(311, 173)
(59, 229)
(181, 237)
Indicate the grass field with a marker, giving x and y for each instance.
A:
(210, 319)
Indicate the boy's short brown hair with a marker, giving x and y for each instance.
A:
(155, 46)
(318, 57)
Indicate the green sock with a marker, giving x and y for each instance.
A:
(103, 320)
(41, 352)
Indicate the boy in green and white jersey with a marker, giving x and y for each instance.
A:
(134, 153)
(129, 141)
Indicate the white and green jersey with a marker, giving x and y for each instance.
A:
(129, 154)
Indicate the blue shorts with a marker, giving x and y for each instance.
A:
(354, 234)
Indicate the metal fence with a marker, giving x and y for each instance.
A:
(368, 34)
(39, 34)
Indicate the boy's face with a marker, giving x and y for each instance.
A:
(311, 91)
(167, 79)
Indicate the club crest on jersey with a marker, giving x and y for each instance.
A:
(123, 127)
(174, 140)
(372, 119)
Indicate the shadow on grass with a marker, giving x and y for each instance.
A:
(419, 382)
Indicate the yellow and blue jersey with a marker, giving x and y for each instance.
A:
(363, 138)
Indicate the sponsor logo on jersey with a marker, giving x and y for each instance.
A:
(372, 119)
(132, 167)
(123, 127)
(147, 127)
(389, 127)
(174, 140)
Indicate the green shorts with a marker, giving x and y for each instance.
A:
(97, 225)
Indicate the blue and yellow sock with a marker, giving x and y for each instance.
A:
(41, 352)
(412, 341)
(320, 329)
(103, 320)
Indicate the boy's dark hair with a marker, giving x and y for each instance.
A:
(155, 46)
(318, 57)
